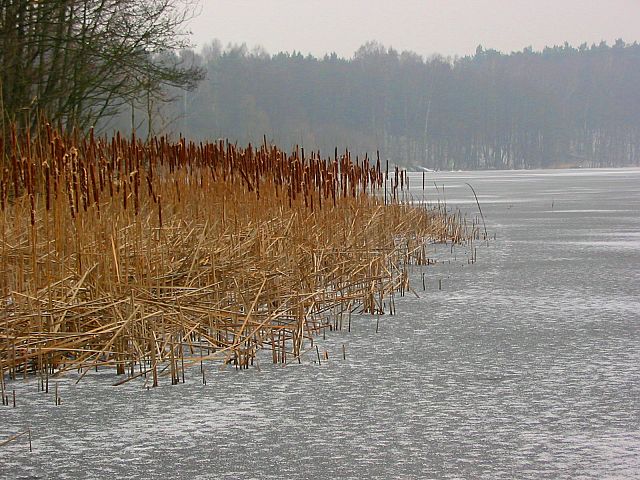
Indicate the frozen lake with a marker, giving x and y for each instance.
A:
(525, 365)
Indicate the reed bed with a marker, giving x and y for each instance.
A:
(150, 257)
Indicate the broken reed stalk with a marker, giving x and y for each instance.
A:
(486, 235)
(117, 252)
(17, 436)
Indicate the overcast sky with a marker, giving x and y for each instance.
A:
(448, 27)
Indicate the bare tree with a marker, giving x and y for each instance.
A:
(79, 60)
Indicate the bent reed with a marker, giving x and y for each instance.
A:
(154, 256)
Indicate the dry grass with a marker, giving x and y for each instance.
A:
(154, 256)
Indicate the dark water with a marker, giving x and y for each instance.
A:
(525, 365)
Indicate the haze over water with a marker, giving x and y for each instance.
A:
(525, 365)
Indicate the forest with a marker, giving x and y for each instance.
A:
(562, 106)
(119, 65)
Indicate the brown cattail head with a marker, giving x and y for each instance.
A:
(47, 181)
(3, 194)
(32, 203)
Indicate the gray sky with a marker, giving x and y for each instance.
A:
(449, 27)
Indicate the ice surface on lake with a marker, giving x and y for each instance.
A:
(525, 365)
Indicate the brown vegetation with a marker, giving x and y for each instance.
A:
(153, 256)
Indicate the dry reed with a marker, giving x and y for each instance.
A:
(154, 256)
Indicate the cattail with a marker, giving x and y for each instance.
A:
(159, 212)
(84, 188)
(151, 192)
(124, 193)
(136, 201)
(15, 171)
(94, 186)
(32, 203)
(47, 186)
(70, 197)
(314, 262)
(76, 191)
(3, 195)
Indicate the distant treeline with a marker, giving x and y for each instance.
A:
(564, 105)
